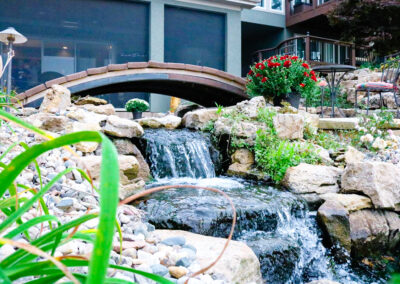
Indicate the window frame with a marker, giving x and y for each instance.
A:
(267, 7)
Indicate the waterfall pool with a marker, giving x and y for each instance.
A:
(277, 225)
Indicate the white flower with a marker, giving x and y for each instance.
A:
(375, 116)
(379, 132)
(373, 129)
(379, 143)
(367, 138)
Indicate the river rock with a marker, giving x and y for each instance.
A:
(334, 220)
(121, 127)
(86, 147)
(128, 167)
(177, 271)
(168, 121)
(238, 264)
(107, 109)
(56, 99)
(306, 178)
(378, 180)
(250, 108)
(352, 202)
(91, 100)
(198, 119)
(352, 155)
(289, 126)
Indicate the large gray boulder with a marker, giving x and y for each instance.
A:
(107, 109)
(199, 118)
(334, 220)
(239, 129)
(126, 147)
(378, 180)
(168, 121)
(48, 121)
(306, 179)
(56, 99)
(289, 126)
(352, 202)
(238, 264)
(86, 147)
(370, 231)
(250, 108)
(128, 167)
(121, 127)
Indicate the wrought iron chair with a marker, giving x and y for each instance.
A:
(388, 83)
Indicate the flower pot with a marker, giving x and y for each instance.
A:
(137, 114)
(292, 98)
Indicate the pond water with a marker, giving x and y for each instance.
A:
(277, 225)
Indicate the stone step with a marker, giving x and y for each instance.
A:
(346, 123)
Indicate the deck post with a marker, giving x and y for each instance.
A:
(307, 51)
(353, 54)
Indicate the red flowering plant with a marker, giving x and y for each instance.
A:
(278, 76)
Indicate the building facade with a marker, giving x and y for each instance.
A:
(68, 36)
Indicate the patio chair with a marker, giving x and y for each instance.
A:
(388, 83)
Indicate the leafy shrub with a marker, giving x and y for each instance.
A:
(273, 155)
(137, 105)
(280, 75)
(25, 262)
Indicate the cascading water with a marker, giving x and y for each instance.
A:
(180, 153)
(276, 225)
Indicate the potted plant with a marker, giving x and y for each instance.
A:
(281, 78)
(137, 106)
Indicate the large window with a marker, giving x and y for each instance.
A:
(67, 36)
(194, 37)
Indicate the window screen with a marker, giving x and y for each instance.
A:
(194, 37)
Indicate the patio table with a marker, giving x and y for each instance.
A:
(333, 82)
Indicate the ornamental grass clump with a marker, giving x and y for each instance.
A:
(280, 75)
(137, 105)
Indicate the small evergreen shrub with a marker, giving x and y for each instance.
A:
(137, 105)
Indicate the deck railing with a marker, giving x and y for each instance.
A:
(318, 50)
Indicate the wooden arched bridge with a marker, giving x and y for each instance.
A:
(202, 85)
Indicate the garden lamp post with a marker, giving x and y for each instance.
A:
(10, 36)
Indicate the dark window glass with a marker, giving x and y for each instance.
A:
(194, 37)
(68, 36)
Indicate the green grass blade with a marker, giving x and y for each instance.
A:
(46, 267)
(43, 240)
(27, 205)
(108, 211)
(18, 164)
(4, 278)
(30, 223)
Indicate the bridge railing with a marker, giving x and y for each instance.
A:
(318, 50)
